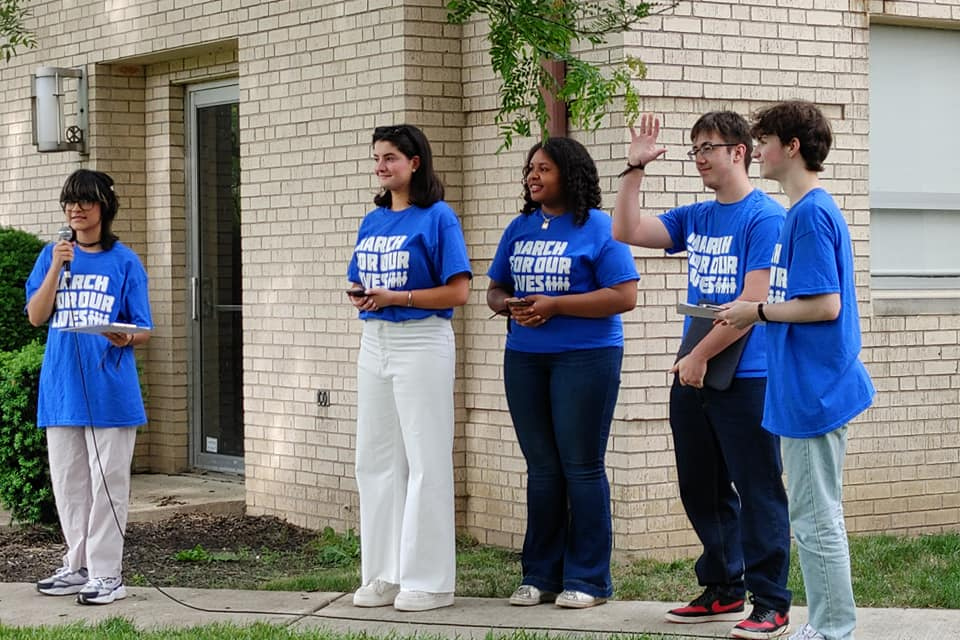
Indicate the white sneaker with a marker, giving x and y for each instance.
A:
(421, 600)
(578, 600)
(63, 582)
(102, 591)
(806, 632)
(379, 593)
(528, 595)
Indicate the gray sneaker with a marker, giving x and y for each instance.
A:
(102, 591)
(806, 632)
(528, 595)
(578, 600)
(63, 582)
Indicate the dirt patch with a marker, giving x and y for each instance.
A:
(239, 552)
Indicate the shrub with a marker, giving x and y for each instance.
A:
(18, 252)
(24, 474)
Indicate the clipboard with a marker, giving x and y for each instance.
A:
(721, 367)
(702, 310)
(112, 327)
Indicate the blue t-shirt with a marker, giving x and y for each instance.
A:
(405, 250)
(723, 243)
(817, 382)
(562, 259)
(109, 286)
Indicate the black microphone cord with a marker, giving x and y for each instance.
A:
(301, 614)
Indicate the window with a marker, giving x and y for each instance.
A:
(914, 159)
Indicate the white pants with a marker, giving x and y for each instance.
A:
(405, 375)
(94, 537)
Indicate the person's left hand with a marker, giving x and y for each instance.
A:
(692, 369)
(379, 298)
(739, 314)
(536, 314)
(118, 339)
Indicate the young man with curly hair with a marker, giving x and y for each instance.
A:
(817, 383)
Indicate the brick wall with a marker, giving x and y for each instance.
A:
(314, 79)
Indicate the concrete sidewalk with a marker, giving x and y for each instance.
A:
(22, 606)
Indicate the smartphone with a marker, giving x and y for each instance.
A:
(519, 303)
(357, 293)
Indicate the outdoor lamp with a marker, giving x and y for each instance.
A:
(50, 131)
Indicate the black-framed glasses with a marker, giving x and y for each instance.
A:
(83, 205)
(707, 148)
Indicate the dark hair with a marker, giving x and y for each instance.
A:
(86, 185)
(578, 175)
(730, 126)
(797, 119)
(425, 186)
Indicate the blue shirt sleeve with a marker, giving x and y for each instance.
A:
(676, 221)
(813, 268)
(452, 256)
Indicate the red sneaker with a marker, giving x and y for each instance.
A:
(714, 604)
(763, 623)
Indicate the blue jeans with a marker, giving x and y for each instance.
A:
(562, 405)
(815, 483)
(729, 471)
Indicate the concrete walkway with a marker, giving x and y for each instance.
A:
(155, 497)
(22, 606)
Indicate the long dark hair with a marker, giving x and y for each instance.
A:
(578, 174)
(86, 185)
(425, 186)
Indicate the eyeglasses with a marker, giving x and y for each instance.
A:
(707, 148)
(83, 205)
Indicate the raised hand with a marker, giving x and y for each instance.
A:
(643, 141)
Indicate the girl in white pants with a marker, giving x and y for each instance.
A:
(409, 269)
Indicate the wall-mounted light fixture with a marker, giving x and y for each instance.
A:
(50, 130)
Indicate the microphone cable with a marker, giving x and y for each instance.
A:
(314, 614)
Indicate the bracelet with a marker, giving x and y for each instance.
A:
(630, 167)
(760, 312)
(130, 341)
(410, 298)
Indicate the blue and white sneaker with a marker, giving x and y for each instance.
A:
(102, 591)
(63, 582)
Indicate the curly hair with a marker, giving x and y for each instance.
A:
(425, 186)
(578, 175)
(85, 185)
(797, 119)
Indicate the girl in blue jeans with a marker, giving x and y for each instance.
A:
(563, 281)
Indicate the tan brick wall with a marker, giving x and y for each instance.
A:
(315, 78)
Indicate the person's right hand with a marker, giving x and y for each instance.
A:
(643, 143)
(62, 252)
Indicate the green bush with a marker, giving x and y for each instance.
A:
(24, 474)
(18, 252)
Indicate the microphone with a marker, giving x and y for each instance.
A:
(66, 233)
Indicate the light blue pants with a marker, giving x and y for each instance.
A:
(814, 469)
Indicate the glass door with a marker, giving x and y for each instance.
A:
(214, 277)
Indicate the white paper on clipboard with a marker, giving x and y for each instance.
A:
(698, 310)
(113, 327)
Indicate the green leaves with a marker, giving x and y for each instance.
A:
(524, 34)
(24, 478)
(13, 33)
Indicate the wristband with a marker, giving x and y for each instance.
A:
(760, 312)
(630, 167)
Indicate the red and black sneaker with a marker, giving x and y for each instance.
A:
(763, 623)
(714, 604)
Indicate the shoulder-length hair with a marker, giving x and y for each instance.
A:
(425, 187)
(86, 185)
(578, 176)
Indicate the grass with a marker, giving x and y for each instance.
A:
(121, 629)
(888, 571)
